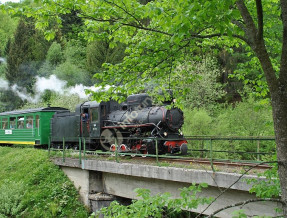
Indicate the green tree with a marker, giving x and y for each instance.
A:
(25, 54)
(204, 90)
(7, 28)
(100, 52)
(161, 33)
(54, 55)
(70, 64)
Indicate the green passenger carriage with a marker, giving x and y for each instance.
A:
(31, 126)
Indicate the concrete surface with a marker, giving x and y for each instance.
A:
(120, 179)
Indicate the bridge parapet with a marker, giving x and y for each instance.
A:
(120, 179)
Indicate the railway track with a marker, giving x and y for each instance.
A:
(177, 160)
(201, 161)
(220, 163)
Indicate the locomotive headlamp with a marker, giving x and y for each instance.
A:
(165, 133)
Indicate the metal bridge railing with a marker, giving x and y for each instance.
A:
(208, 147)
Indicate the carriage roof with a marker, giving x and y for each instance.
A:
(34, 110)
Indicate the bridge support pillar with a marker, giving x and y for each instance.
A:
(100, 200)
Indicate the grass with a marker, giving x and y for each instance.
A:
(32, 186)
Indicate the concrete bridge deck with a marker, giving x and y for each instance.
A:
(120, 179)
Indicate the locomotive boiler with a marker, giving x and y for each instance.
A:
(132, 126)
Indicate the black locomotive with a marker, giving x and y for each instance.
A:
(130, 126)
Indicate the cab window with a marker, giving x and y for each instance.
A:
(29, 122)
(20, 122)
(94, 113)
(12, 122)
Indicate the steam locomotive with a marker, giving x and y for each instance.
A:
(132, 126)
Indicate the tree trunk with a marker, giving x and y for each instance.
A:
(278, 91)
(279, 105)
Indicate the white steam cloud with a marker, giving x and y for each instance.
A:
(4, 85)
(2, 60)
(52, 83)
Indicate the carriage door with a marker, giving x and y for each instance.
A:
(95, 124)
(85, 122)
(37, 125)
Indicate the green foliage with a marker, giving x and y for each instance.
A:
(54, 55)
(247, 118)
(46, 69)
(197, 122)
(2, 70)
(269, 188)
(70, 72)
(10, 198)
(25, 53)
(158, 36)
(99, 52)
(199, 79)
(72, 68)
(57, 100)
(156, 206)
(36, 187)
(7, 28)
(239, 214)
(75, 52)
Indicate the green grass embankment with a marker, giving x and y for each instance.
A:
(32, 186)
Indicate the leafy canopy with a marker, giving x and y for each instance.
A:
(159, 36)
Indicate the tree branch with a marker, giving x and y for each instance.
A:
(125, 10)
(216, 35)
(246, 171)
(246, 202)
(260, 19)
(239, 24)
(112, 20)
(249, 23)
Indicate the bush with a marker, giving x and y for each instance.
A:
(72, 73)
(248, 118)
(10, 198)
(41, 190)
(156, 206)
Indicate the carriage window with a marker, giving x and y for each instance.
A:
(29, 122)
(37, 121)
(20, 122)
(12, 122)
(94, 112)
(4, 123)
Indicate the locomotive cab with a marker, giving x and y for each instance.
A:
(90, 120)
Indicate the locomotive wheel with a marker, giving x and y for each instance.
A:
(183, 149)
(108, 138)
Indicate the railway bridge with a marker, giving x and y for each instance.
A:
(101, 181)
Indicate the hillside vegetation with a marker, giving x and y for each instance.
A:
(32, 186)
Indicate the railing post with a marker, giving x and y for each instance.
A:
(80, 151)
(211, 156)
(258, 150)
(49, 146)
(84, 149)
(156, 151)
(63, 149)
(116, 144)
